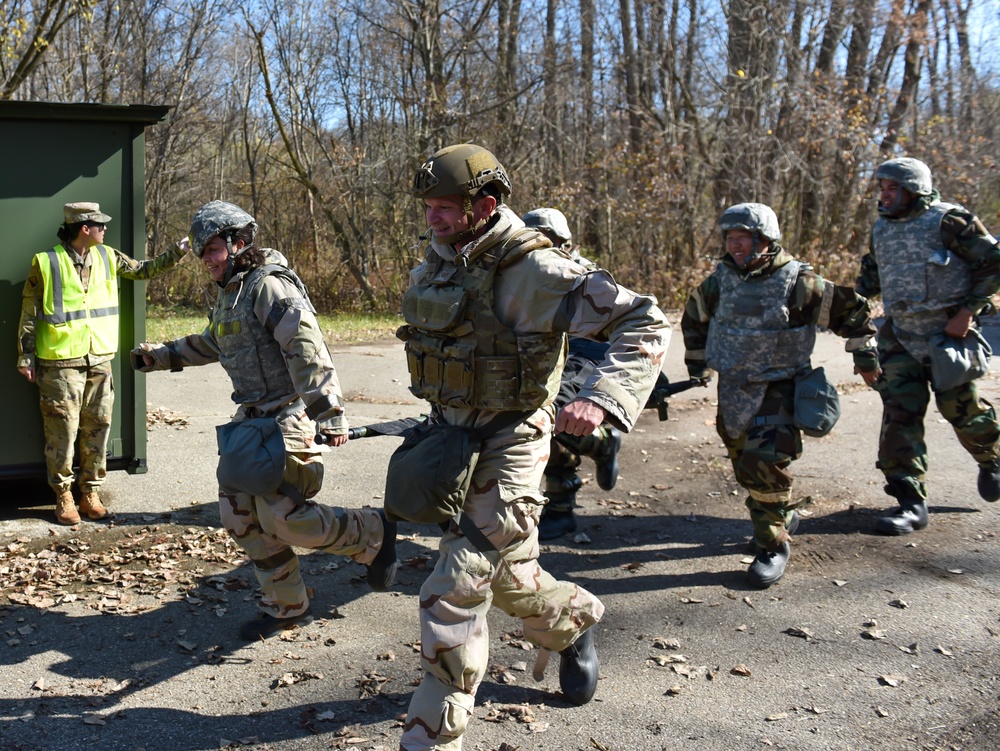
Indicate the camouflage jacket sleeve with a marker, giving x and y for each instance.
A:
(698, 312)
(548, 291)
(190, 350)
(967, 237)
(31, 303)
(129, 268)
(307, 356)
(841, 310)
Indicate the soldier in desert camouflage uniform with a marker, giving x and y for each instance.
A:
(521, 298)
(264, 331)
(754, 321)
(937, 268)
(67, 338)
(562, 478)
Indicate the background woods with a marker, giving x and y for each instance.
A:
(640, 119)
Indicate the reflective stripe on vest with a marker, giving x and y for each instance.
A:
(75, 322)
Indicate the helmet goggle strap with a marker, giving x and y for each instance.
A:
(474, 226)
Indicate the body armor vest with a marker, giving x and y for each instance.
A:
(459, 354)
(749, 336)
(248, 350)
(920, 278)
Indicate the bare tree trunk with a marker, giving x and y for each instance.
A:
(911, 76)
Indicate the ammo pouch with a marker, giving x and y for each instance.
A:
(252, 458)
(958, 361)
(430, 472)
(817, 403)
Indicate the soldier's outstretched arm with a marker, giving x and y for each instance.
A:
(188, 351)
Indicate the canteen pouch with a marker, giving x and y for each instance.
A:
(430, 472)
(958, 361)
(251, 457)
(817, 403)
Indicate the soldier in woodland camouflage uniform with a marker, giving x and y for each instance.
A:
(936, 267)
(67, 338)
(487, 315)
(562, 479)
(754, 321)
(264, 331)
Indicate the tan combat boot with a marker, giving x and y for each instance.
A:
(66, 512)
(91, 506)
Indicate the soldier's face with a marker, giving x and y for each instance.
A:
(446, 215)
(739, 245)
(892, 196)
(215, 258)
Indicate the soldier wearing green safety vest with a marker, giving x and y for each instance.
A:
(67, 337)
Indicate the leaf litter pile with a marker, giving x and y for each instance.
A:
(124, 572)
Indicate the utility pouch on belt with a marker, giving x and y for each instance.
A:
(958, 361)
(252, 458)
(817, 403)
(430, 473)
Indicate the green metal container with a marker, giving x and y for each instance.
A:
(54, 154)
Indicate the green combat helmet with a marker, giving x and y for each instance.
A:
(461, 170)
(757, 218)
(219, 218)
(551, 223)
(912, 175)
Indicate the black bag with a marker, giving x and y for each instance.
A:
(817, 403)
(430, 472)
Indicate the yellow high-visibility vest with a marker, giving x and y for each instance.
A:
(77, 322)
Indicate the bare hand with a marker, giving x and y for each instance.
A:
(580, 417)
(28, 373)
(959, 324)
(331, 439)
(868, 376)
(184, 244)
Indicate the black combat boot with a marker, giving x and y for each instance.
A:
(579, 669)
(606, 459)
(989, 481)
(769, 566)
(265, 626)
(558, 518)
(911, 514)
(382, 569)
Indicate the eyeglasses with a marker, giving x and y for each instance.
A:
(97, 225)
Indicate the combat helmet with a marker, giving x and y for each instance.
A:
(464, 170)
(757, 218)
(551, 223)
(220, 218)
(911, 174)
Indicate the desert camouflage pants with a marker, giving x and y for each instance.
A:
(76, 405)
(267, 527)
(761, 457)
(905, 388)
(454, 600)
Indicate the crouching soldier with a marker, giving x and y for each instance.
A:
(754, 321)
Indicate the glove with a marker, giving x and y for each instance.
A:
(140, 359)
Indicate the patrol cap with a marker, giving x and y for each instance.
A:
(911, 174)
(753, 217)
(84, 211)
(551, 222)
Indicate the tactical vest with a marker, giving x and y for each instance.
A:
(248, 350)
(749, 336)
(920, 278)
(459, 354)
(75, 322)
